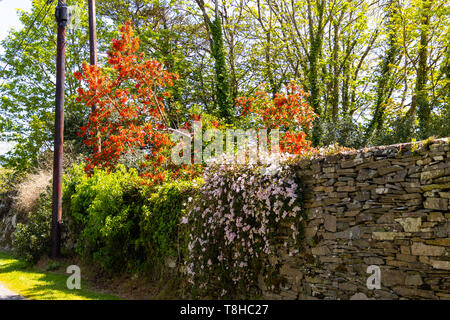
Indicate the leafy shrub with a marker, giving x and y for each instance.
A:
(234, 222)
(162, 236)
(31, 240)
(121, 223)
(5, 179)
(104, 215)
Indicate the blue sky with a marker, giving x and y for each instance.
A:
(9, 19)
(8, 15)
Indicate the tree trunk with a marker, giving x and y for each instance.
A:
(421, 96)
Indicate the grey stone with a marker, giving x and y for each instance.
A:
(390, 278)
(320, 251)
(413, 280)
(329, 222)
(436, 204)
(359, 296)
(421, 249)
(351, 233)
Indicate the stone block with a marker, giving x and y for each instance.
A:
(439, 242)
(413, 280)
(288, 271)
(444, 265)
(329, 222)
(405, 249)
(421, 249)
(391, 278)
(310, 232)
(373, 260)
(387, 235)
(436, 216)
(359, 296)
(347, 286)
(410, 224)
(351, 233)
(429, 175)
(406, 257)
(381, 190)
(442, 231)
(414, 293)
(386, 218)
(388, 169)
(436, 204)
(320, 251)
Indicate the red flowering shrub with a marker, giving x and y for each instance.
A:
(129, 109)
(289, 112)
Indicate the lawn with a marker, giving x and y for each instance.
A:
(38, 285)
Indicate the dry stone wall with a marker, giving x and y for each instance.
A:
(385, 206)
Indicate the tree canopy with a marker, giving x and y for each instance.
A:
(374, 72)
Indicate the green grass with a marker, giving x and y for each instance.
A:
(38, 285)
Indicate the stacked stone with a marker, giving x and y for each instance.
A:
(384, 206)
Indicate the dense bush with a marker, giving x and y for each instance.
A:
(102, 213)
(119, 222)
(162, 236)
(222, 229)
(5, 179)
(31, 240)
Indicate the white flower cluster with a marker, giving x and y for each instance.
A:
(233, 222)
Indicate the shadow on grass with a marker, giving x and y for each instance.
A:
(38, 285)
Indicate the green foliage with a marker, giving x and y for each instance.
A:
(6, 176)
(104, 214)
(162, 235)
(27, 85)
(119, 222)
(385, 74)
(31, 240)
(370, 75)
(222, 92)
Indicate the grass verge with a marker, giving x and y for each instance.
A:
(39, 285)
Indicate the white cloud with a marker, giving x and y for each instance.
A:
(5, 147)
(8, 15)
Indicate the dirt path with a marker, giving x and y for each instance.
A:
(6, 294)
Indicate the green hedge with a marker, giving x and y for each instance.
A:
(163, 236)
(122, 224)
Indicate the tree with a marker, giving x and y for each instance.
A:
(27, 83)
(288, 112)
(130, 111)
(421, 97)
(371, 81)
(386, 74)
(222, 86)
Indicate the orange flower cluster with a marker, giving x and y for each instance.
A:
(289, 112)
(130, 111)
